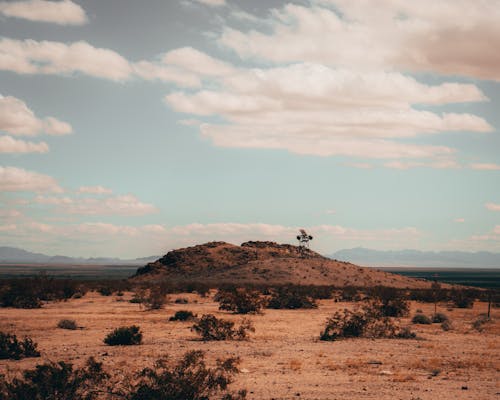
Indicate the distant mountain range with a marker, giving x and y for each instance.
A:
(13, 255)
(359, 255)
(416, 258)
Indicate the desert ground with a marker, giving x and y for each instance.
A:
(283, 359)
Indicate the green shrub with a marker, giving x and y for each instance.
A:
(67, 324)
(211, 328)
(53, 381)
(189, 379)
(183, 315)
(12, 348)
(126, 335)
(439, 318)
(240, 301)
(421, 319)
(290, 298)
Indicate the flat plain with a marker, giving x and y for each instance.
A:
(284, 358)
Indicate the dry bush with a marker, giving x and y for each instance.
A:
(289, 297)
(182, 315)
(240, 300)
(125, 335)
(67, 324)
(390, 301)
(189, 379)
(367, 321)
(211, 328)
(55, 381)
(14, 349)
(155, 299)
(421, 319)
(479, 322)
(439, 318)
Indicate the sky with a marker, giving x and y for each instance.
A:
(131, 128)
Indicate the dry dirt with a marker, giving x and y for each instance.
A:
(284, 358)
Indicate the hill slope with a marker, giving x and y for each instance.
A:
(265, 263)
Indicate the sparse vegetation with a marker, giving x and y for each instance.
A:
(421, 319)
(125, 335)
(182, 315)
(462, 298)
(439, 318)
(55, 381)
(67, 324)
(290, 298)
(155, 299)
(189, 379)
(210, 327)
(480, 321)
(367, 321)
(390, 301)
(13, 349)
(240, 300)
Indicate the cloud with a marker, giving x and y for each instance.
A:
(492, 206)
(435, 36)
(189, 59)
(318, 110)
(212, 3)
(94, 190)
(125, 240)
(63, 12)
(11, 145)
(125, 205)
(46, 57)
(438, 164)
(459, 220)
(486, 166)
(14, 179)
(17, 119)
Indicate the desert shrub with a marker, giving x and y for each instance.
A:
(125, 335)
(155, 299)
(181, 300)
(189, 379)
(14, 349)
(289, 297)
(421, 319)
(240, 300)
(344, 324)
(67, 324)
(390, 301)
(406, 333)
(439, 318)
(462, 298)
(191, 287)
(182, 315)
(210, 327)
(55, 381)
(364, 322)
(480, 321)
(105, 291)
(350, 293)
(446, 325)
(139, 296)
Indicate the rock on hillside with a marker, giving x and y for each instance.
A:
(265, 263)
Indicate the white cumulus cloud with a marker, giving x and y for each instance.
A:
(64, 12)
(14, 179)
(16, 118)
(11, 145)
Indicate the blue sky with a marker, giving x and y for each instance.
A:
(130, 128)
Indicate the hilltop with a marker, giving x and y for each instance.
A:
(265, 263)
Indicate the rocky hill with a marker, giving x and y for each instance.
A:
(265, 263)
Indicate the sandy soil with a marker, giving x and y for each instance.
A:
(284, 358)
